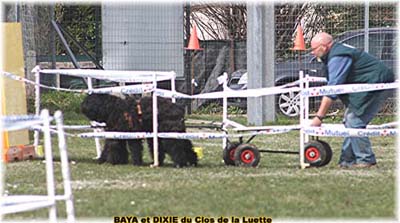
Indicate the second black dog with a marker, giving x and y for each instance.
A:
(128, 115)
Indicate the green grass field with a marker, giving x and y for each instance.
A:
(277, 188)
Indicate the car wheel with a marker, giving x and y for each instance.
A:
(289, 104)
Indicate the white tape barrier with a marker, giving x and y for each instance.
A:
(144, 88)
(290, 87)
(308, 78)
(65, 127)
(181, 135)
(137, 89)
(316, 79)
(52, 130)
(234, 124)
(202, 135)
(13, 123)
(339, 130)
(383, 126)
(26, 202)
(284, 128)
(95, 124)
(248, 93)
(311, 92)
(18, 78)
(228, 93)
(314, 91)
(129, 89)
(333, 130)
(116, 135)
(347, 88)
(74, 127)
(262, 132)
(115, 75)
(142, 135)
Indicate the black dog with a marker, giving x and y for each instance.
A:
(119, 115)
(126, 115)
(170, 119)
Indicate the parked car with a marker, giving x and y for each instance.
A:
(238, 81)
(382, 44)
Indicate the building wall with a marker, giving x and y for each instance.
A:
(143, 37)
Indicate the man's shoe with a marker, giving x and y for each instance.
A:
(345, 165)
(363, 165)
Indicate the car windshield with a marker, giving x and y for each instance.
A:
(234, 80)
(356, 39)
(243, 79)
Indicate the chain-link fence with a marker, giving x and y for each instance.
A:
(348, 23)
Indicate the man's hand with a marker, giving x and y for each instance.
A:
(316, 122)
(323, 109)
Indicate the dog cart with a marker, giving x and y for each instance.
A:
(244, 153)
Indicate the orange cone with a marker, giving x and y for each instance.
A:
(299, 41)
(194, 41)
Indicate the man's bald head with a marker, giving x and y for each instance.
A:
(321, 39)
(321, 44)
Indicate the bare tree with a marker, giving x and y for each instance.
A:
(220, 21)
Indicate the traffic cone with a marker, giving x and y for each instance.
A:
(299, 40)
(194, 41)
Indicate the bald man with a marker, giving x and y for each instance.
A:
(347, 65)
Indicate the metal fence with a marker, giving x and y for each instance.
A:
(348, 23)
(222, 33)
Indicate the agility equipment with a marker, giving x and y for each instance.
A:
(312, 153)
(20, 203)
(150, 78)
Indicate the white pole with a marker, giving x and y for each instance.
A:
(36, 134)
(89, 83)
(173, 86)
(97, 143)
(96, 140)
(49, 166)
(65, 168)
(366, 26)
(303, 165)
(155, 123)
(307, 107)
(224, 109)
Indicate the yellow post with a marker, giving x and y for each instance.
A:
(13, 95)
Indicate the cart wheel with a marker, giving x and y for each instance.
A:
(229, 153)
(247, 155)
(328, 151)
(316, 154)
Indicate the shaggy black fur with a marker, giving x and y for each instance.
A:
(122, 115)
(119, 115)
